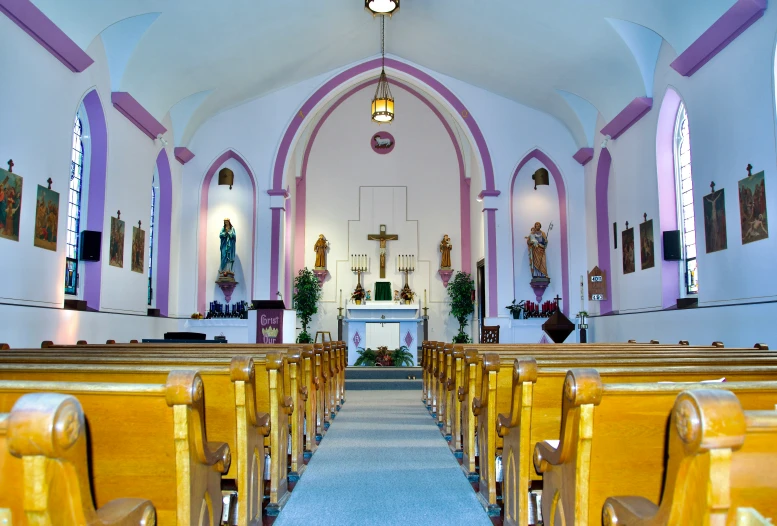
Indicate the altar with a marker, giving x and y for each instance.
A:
(382, 323)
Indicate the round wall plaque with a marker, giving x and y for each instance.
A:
(382, 142)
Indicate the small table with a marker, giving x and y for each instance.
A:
(322, 336)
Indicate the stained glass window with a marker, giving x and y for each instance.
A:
(74, 204)
(684, 181)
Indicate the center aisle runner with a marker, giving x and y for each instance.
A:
(383, 461)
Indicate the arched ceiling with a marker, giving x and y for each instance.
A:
(526, 51)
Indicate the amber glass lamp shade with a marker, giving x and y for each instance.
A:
(383, 101)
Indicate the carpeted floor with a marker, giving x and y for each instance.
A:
(383, 462)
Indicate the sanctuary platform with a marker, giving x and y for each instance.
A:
(382, 323)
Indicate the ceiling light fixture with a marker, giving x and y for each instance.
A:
(383, 101)
(381, 7)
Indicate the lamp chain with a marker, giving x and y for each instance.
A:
(382, 41)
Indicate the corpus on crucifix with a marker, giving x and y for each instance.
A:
(382, 238)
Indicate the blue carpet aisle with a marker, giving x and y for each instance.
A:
(384, 462)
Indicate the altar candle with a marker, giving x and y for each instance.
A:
(341, 298)
(424, 298)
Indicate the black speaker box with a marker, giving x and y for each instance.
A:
(75, 304)
(672, 246)
(91, 241)
(155, 313)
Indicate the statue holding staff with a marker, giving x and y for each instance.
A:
(537, 242)
(320, 248)
(445, 248)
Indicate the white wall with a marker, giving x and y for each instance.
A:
(38, 102)
(414, 191)
(730, 104)
(236, 204)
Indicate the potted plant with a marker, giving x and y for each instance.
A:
(460, 291)
(366, 357)
(516, 309)
(307, 292)
(402, 357)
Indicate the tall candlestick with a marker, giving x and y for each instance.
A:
(341, 298)
(424, 298)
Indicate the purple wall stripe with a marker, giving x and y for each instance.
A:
(584, 155)
(627, 118)
(333, 84)
(603, 224)
(46, 33)
(98, 164)
(275, 249)
(562, 207)
(489, 193)
(493, 309)
(719, 35)
(202, 236)
(667, 193)
(165, 231)
(183, 154)
(137, 114)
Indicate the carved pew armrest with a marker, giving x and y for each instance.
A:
(628, 510)
(303, 392)
(288, 405)
(476, 406)
(546, 454)
(450, 384)
(462, 394)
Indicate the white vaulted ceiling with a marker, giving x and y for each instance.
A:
(528, 50)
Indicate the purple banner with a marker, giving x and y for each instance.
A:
(269, 326)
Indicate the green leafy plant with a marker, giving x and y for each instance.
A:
(460, 291)
(367, 357)
(307, 292)
(402, 357)
(516, 309)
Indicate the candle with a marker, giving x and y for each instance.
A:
(341, 298)
(424, 298)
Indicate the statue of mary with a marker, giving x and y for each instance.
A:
(228, 239)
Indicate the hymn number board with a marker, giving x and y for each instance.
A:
(597, 284)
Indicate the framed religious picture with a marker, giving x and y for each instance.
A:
(10, 204)
(138, 249)
(752, 207)
(116, 248)
(46, 218)
(715, 236)
(646, 245)
(71, 276)
(627, 245)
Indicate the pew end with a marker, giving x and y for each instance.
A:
(46, 446)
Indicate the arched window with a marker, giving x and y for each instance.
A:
(74, 207)
(684, 181)
(151, 241)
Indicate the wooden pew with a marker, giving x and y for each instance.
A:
(719, 463)
(612, 441)
(44, 469)
(240, 411)
(503, 397)
(158, 450)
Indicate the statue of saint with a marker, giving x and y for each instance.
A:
(445, 248)
(537, 241)
(228, 239)
(320, 248)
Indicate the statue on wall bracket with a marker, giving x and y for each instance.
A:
(537, 243)
(446, 269)
(319, 268)
(226, 280)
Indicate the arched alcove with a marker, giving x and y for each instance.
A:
(165, 204)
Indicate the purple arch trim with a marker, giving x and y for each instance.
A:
(202, 241)
(165, 226)
(584, 155)
(667, 194)
(628, 117)
(464, 201)
(603, 224)
(331, 85)
(562, 207)
(98, 163)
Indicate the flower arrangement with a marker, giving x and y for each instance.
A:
(358, 294)
(407, 294)
(383, 357)
(196, 316)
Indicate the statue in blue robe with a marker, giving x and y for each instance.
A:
(228, 239)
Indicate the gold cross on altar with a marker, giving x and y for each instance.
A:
(382, 237)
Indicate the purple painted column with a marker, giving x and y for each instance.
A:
(98, 163)
(275, 252)
(164, 229)
(603, 224)
(492, 310)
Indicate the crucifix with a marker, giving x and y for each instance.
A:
(382, 238)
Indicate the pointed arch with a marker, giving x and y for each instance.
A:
(558, 179)
(603, 224)
(98, 163)
(202, 241)
(164, 227)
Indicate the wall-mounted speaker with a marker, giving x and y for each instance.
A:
(91, 242)
(672, 246)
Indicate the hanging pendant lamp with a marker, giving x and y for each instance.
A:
(383, 101)
(381, 7)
